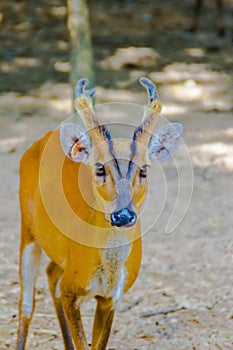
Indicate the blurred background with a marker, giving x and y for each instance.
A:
(126, 39)
(183, 297)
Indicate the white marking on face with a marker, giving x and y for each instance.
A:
(30, 265)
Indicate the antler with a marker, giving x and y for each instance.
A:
(151, 89)
(144, 131)
(80, 89)
(84, 105)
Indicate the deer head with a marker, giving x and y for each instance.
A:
(119, 167)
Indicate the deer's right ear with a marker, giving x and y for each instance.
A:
(75, 142)
(165, 142)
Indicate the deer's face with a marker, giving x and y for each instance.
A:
(119, 181)
(119, 168)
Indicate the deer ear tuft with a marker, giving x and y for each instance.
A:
(75, 142)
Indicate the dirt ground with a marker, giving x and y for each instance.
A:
(183, 297)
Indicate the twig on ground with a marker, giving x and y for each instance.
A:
(164, 312)
(51, 338)
(44, 331)
(46, 315)
(131, 305)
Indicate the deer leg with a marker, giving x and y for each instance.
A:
(73, 316)
(30, 254)
(104, 315)
(54, 273)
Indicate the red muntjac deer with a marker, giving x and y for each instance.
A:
(98, 256)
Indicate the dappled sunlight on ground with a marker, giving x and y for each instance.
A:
(216, 154)
(197, 84)
(10, 144)
(131, 57)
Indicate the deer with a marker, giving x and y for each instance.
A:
(97, 255)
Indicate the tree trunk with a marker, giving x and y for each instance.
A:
(81, 59)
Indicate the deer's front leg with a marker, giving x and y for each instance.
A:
(104, 315)
(73, 315)
(29, 264)
(54, 274)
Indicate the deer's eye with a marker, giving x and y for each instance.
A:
(143, 171)
(100, 170)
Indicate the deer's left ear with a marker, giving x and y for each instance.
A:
(75, 142)
(165, 142)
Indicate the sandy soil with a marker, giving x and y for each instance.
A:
(183, 297)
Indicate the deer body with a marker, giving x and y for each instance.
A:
(93, 237)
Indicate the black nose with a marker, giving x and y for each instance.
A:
(123, 217)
